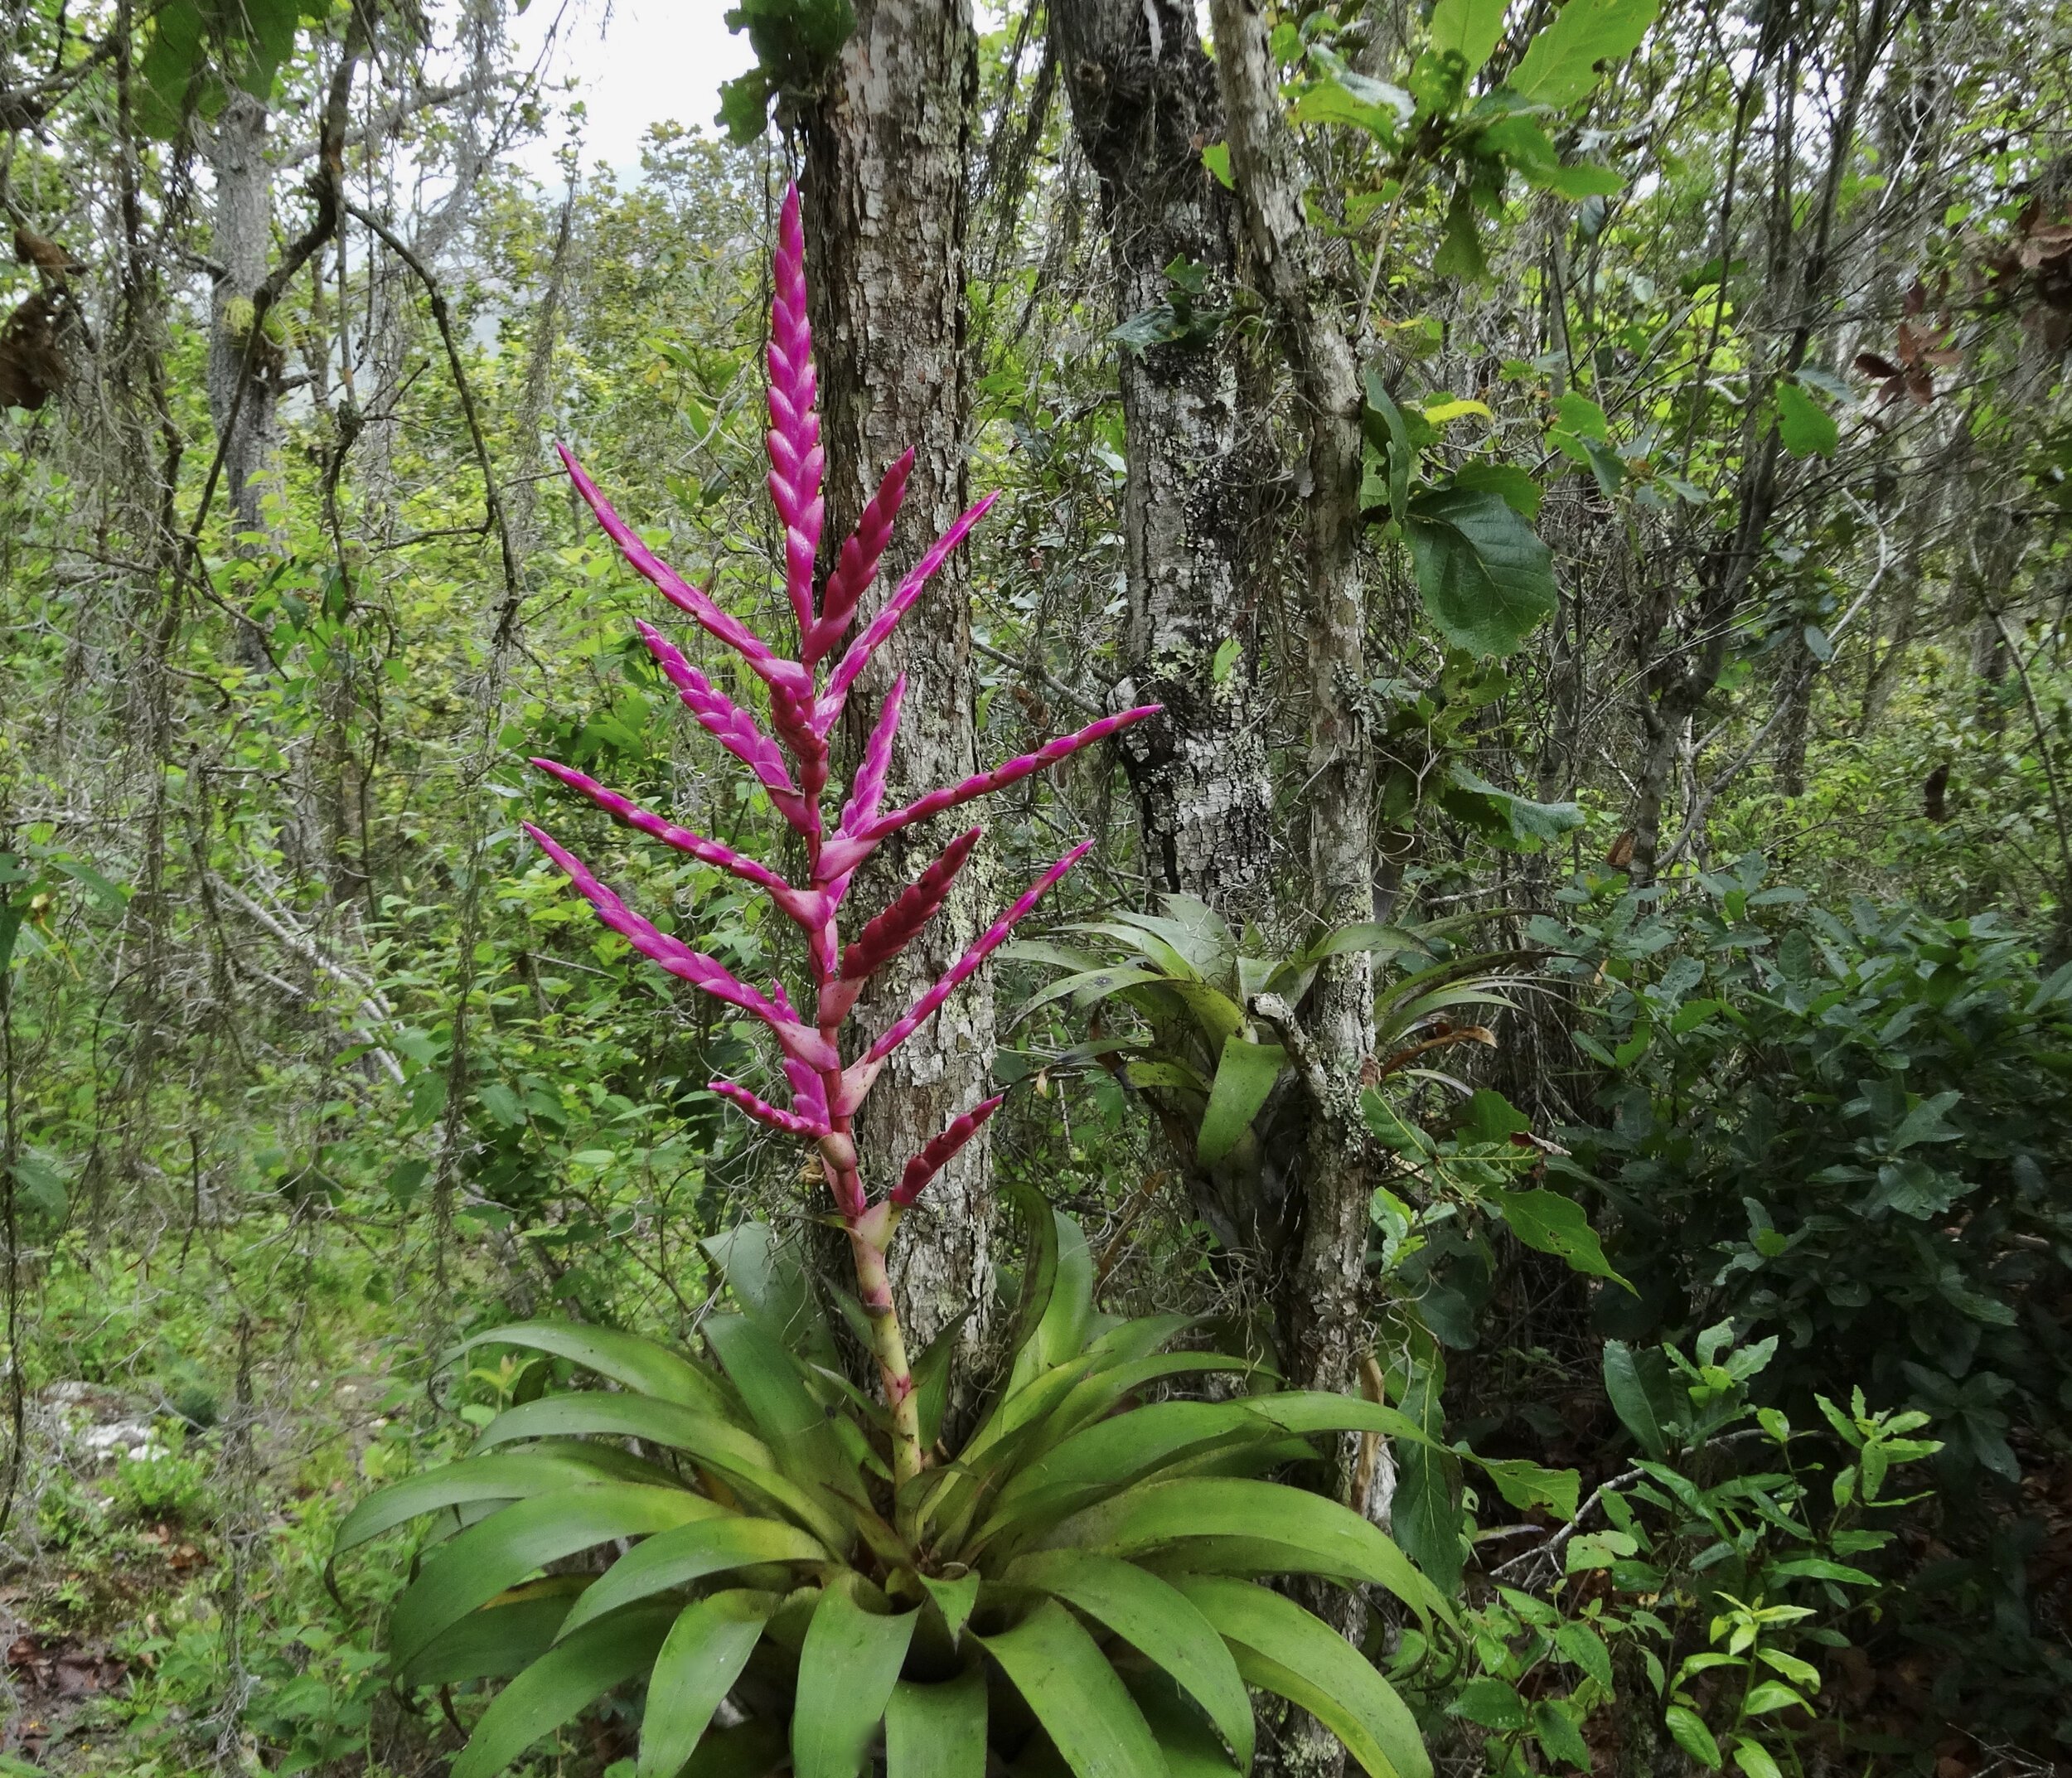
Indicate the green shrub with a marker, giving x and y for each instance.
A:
(1846, 1131)
(165, 1483)
(1852, 1132)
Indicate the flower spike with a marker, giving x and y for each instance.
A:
(705, 851)
(681, 961)
(848, 849)
(732, 727)
(917, 903)
(796, 461)
(790, 758)
(882, 625)
(680, 592)
(766, 1113)
(958, 972)
(866, 789)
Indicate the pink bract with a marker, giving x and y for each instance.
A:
(792, 765)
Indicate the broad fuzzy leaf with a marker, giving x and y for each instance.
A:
(1487, 581)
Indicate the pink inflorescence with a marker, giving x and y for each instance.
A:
(792, 768)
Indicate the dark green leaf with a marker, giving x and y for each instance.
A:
(937, 1731)
(1487, 581)
(504, 1548)
(1556, 1225)
(1640, 1392)
(559, 1686)
(1688, 1729)
(1159, 1622)
(1244, 1076)
(1491, 1703)
(1382, 421)
(1282, 1649)
(671, 1559)
(505, 1636)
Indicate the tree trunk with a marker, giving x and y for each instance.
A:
(1144, 101)
(242, 239)
(1320, 1305)
(1321, 1309)
(886, 205)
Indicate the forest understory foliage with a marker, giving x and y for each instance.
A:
(1512, 1212)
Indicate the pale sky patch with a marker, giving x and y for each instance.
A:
(637, 63)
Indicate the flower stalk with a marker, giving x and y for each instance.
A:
(792, 762)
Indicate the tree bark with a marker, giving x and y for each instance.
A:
(886, 209)
(1143, 102)
(1321, 1310)
(241, 241)
(1319, 1304)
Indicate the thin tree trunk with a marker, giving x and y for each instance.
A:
(1144, 100)
(886, 205)
(1321, 1307)
(242, 239)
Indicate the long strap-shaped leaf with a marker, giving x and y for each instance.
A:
(748, 1750)
(506, 1635)
(847, 1668)
(558, 1687)
(1035, 1418)
(703, 1655)
(741, 1458)
(1296, 1532)
(1067, 1681)
(1110, 1453)
(772, 1387)
(1282, 1649)
(502, 1550)
(676, 1558)
(1189, 1745)
(625, 1358)
(1159, 1622)
(937, 1731)
(509, 1475)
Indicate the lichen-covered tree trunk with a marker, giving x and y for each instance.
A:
(885, 193)
(1144, 101)
(241, 240)
(1321, 1310)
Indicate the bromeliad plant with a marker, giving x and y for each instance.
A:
(780, 1554)
(1077, 1584)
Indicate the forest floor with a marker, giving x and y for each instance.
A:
(166, 1605)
